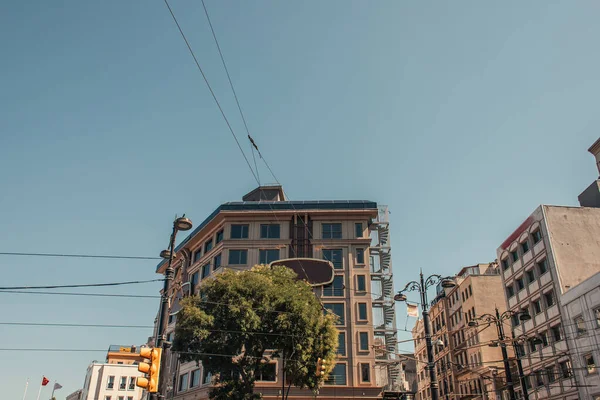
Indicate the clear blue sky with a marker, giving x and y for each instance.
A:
(461, 116)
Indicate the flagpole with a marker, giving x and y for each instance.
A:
(53, 389)
(40, 392)
(26, 385)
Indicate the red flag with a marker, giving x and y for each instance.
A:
(45, 381)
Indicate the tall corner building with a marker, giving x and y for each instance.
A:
(553, 251)
(265, 227)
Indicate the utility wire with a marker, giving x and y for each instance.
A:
(141, 296)
(67, 325)
(5, 253)
(79, 285)
(232, 88)
(210, 88)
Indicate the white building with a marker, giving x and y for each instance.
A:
(105, 381)
(113, 379)
(581, 304)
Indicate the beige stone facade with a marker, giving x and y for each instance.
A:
(552, 251)
(466, 365)
(350, 234)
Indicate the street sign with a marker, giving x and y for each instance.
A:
(316, 272)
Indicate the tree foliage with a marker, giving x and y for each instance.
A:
(239, 316)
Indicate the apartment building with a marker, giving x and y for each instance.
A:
(581, 305)
(552, 251)
(265, 227)
(466, 365)
(113, 379)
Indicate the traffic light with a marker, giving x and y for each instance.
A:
(321, 366)
(152, 370)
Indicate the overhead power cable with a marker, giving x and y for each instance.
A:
(6, 253)
(80, 285)
(233, 90)
(66, 325)
(140, 296)
(210, 88)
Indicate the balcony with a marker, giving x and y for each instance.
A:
(544, 279)
(538, 247)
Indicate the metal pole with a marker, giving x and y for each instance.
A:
(430, 362)
(521, 374)
(509, 381)
(26, 386)
(163, 318)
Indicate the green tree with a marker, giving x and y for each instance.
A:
(240, 316)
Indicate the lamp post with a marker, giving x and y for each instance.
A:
(422, 287)
(498, 319)
(180, 224)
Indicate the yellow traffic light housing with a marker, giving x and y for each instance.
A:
(152, 370)
(321, 366)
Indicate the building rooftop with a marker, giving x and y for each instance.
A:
(278, 206)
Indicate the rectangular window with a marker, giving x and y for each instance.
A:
(530, 276)
(332, 231)
(194, 282)
(525, 247)
(519, 350)
(198, 254)
(358, 230)
(129, 397)
(537, 236)
(335, 288)
(360, 256)
(217, 261)
(505, 264)
(365, 372)
(131, 383)
(542, 267)
(363, 341)
(361, 283)
(107, 398)
(510, 291)
(556, 335)
(207, 376)
(590, 365)
(219, 236)
(335, 256)
(239, 231)
(539, 378)
(550, 374)
(268, 373)
(549, 299)
(183, 382)
(337, 376)
(269, 231)
(121, 397)
(515, 320)
(532, 346)
(544, 337)
(195, 378)
(110, 383)
(238, 257)
(597, 315)
(341, 350)
(123, 383)
(266, 256)
(208, 246)
(470, 290)
(565, 369)
(520, 284)
(580, 325)
(514, 255)
(337, 309)
(362, 311)
(205, 271)
(537, 306)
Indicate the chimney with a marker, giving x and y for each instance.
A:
(590, 197)
(595, 150)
